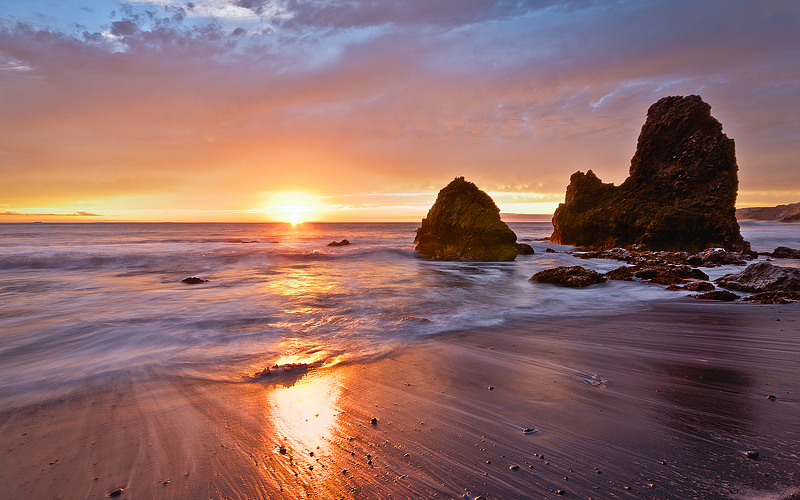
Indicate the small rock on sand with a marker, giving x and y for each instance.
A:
(116, 492)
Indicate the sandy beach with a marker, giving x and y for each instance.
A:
(660, 403)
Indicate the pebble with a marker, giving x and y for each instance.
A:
(529, 430)
(561, 492)
(116, 492)
(752, 454)
(374, 421)
(771, 396)
(513, 467)
(282, 450)
(491, 387)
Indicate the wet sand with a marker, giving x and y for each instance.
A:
(659, 403)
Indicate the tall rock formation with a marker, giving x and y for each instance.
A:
(680, 193)
(464, 224)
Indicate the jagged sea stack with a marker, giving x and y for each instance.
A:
(464, 224)
(680, 194)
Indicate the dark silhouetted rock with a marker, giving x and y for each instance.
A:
(785, 253)
(464, 224)
(193, 280)
(763, 277)
(722, 295)
(680, 193)
(549, 250)
(338, 243)
(525, 249)
(573, 277)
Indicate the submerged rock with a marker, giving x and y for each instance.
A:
(464, 224)
(287, 369)
(338, 243)
(680, 194)
(763, 277)
(193, 280)
(525, 249)
(569, 276)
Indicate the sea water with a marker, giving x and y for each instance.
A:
(89, 300)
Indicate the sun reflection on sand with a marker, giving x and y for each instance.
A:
(304, 418)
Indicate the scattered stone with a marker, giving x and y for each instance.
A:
(549, 250)
(561, 492)
(116, 492)
(464, 224)
(514, 467)
(525, 249)
(282, 450)
(699, 286)
(193, 280)
(722, 295)
(529, 430)
(335, 243)
(771, 396)
(752, 454)
(785, 253)
(652, 485)
(569, 276)
(374, 421)
(680, 194)
(491, 387)
(763, 277)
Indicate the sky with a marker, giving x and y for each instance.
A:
(361, 110)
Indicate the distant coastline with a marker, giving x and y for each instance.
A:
(781, 213)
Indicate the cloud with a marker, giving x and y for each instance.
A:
(74, 214)
(163, 108)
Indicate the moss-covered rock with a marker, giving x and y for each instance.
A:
(464, 224)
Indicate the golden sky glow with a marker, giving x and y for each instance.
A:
(225, 110)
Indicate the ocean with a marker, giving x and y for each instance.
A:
(85, 300)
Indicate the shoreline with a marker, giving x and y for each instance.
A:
(672, 396)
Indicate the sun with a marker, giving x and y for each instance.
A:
(293, 207)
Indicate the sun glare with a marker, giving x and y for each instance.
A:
(292, 207)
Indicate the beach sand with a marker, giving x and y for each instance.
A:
(663, 402)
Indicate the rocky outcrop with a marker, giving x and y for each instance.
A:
(680, 193)
(774, 297)
(711, 257)
(722, 295)
(781, 213)
(464, 224)
(569, 276)
(660, 274)
(763, 277)
(785, 253)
